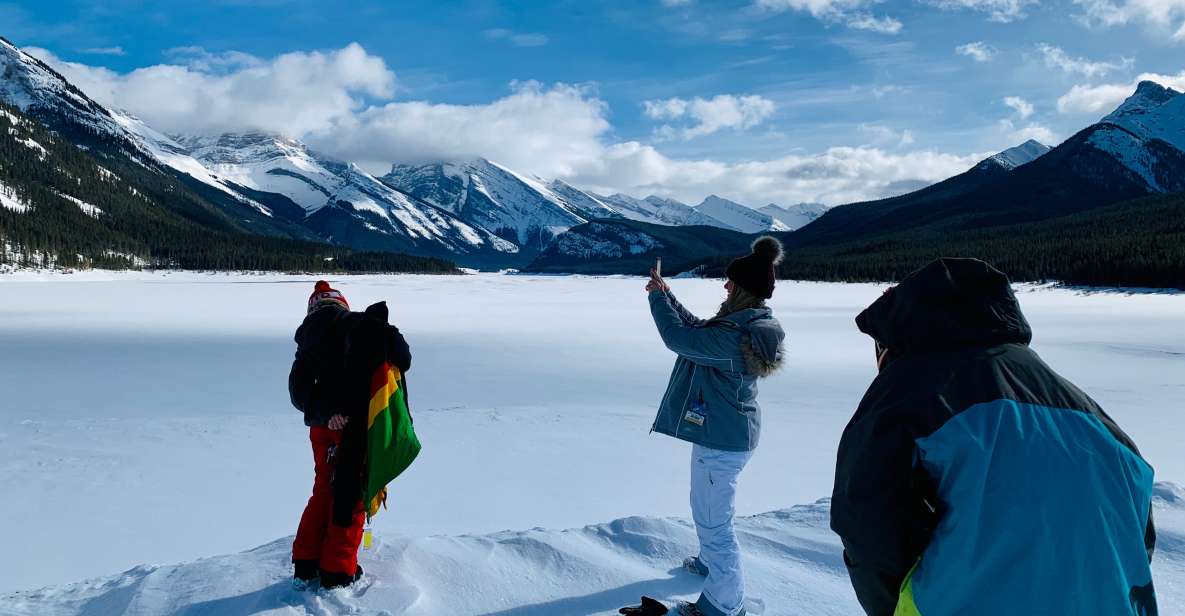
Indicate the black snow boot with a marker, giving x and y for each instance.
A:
(305, 570)
(649, 607)
(330, 579)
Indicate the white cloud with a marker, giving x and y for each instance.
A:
(518, 39)
(199, 59)
(1002, 11)
(1023, 108)
(867, 21)
(1039, 132)
(817, 8)
(1101, 99)
(293, 94)
(838, 175)
(709, 115)
(1163, 17)
(838, 11)
(880, 135)
(105, 51)
(549, 131)
(978, 50)
(676, 2)
(1057, 58)
(329, 100)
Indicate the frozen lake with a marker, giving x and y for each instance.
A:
(145, 419)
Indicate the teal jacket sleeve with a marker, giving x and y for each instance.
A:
(707, 343)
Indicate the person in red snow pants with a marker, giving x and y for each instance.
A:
(324, 384)
(333, 547)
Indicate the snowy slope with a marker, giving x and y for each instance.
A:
(792, 561)
(37, 90)
(590, 205)
(1147, 135)
(738, 217)
(796, 216)
(280, 165)
(1019, 155)
(10, 200)
(485, 194)
(658, 210)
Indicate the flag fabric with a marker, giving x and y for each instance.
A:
(391, 442)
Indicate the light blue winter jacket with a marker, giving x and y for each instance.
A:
(712, 397)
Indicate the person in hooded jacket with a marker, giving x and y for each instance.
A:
(711, 402)
(973, 480)
(329, 383)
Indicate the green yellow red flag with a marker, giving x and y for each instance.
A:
(391, 442)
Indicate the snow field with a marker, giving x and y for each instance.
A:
(145, 420)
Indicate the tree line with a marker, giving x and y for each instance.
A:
(1139, 243)
(145, 217)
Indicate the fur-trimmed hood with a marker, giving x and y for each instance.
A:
(763, 341)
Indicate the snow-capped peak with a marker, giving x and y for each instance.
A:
(1148, 96)
(1152, 112)
(36, 89)
(1019, 155)
(796, 216)
(659, 211)
(739, 217)
(496, 198)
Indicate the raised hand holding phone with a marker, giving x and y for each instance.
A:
(656, 282)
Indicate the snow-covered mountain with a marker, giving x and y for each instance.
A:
(796, 216)
(658, 210)
(255, 178)
(340, 201)
(1016, 156)
(1147, 135)
(514, 206)
(738, 217)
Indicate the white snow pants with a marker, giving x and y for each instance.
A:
(713, 503)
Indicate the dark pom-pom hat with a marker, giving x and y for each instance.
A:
(757, 272)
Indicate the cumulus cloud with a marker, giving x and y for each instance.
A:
(880, 135)
(546, 130)
(1019, 134)
(341, 103)
(292, 94)
(838, 175)
(1056, 57)
(1102, 98)
(1002, 11)
(1163, 17)
(838, 11)
(708, 116)
(977, 50)
(1023, 108)
(518, 39)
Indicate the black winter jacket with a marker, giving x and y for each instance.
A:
(319, 384)
(973, 479)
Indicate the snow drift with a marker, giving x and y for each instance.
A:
(793, 565)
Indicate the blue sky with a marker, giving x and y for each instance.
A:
(666, 92)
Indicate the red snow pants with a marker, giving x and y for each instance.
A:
(318, 538)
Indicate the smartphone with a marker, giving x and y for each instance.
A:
(658, 266)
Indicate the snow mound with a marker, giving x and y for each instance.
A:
(793, 564)
(791, 557)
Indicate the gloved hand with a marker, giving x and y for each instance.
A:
(649, 607)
